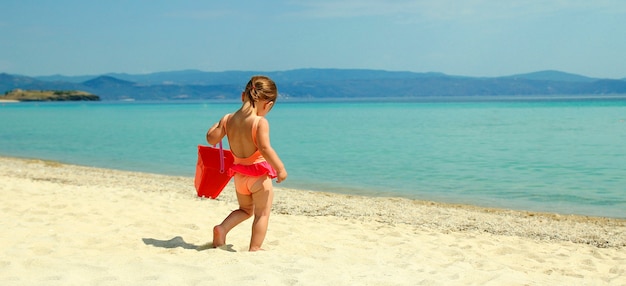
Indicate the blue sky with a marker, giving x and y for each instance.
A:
(470, 37)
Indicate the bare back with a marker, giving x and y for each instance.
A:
(239, 132)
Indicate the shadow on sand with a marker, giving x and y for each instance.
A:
(180, 242)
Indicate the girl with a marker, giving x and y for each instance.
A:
(256, 163)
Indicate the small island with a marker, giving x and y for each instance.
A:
(48, 95)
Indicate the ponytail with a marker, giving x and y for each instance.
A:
(261, 87)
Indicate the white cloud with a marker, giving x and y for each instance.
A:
(451, 9)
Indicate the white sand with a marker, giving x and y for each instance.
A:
(70, 225)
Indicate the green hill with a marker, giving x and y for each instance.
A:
(49, 95)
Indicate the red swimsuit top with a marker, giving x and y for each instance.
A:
(254, 165)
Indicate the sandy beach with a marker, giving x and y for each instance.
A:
(74, 225)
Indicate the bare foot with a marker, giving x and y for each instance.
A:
(256, 249)
(219, 236)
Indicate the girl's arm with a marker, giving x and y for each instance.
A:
(263, 142)
(216, 132)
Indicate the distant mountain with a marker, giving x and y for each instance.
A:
(551, 75)
(9, 82)
(108, 82)
(317, 83)
(63, 78)
(196, 77)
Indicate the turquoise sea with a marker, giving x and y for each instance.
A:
(559, 155)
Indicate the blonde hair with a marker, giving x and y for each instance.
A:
(261, 88)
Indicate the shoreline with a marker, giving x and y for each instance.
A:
(71, 225)
(591, 230)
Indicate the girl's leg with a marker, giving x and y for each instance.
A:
(262, 196)
(244, 212)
